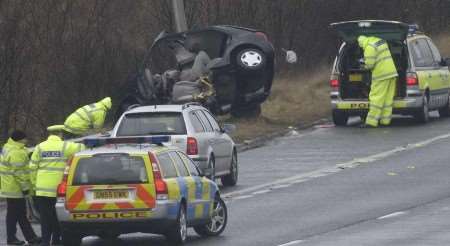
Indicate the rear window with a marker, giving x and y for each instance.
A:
(157, 123)
(106, 169)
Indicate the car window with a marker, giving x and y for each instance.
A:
(154, 123)
(179, 164)
(204, 121)
(196, 122)
(435, 52)
(106, 169)
(190, 164)
(166, 164)
(212, 120)
(421, 53)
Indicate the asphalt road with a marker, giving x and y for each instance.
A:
(337, 186)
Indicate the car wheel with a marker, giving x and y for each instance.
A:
(218, 220)
(252, 111)
(232, 178)
(445, 111)
(70, 238)
(339, 118)
(212, 168)
(423, 115)
(251, 59)
(178, 234)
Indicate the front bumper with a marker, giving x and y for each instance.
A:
(407, 105)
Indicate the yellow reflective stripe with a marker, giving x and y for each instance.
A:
(18, 164)
(90, 116)
(7, 173)
(75, 130)
(53, 160)
(81, 116)
(52, 169)
(375, 106)
(45, 189)
(388, 75)
(8, 193)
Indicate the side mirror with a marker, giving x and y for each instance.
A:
(228, 128)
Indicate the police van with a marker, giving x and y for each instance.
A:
(423, 83)
(127, 185)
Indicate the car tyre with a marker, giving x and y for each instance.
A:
(250, 59)
(218, 220)
(445, 111)
(70, 238)
(423, 115)
(178, 234)
(212, 168)
(339, 118)
(232, 178)
(251, 111)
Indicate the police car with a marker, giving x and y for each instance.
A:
(127, 185)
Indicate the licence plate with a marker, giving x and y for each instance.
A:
(111, 194)
(355, 77)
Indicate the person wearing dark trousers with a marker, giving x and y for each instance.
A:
(15, 186)
(49, 221)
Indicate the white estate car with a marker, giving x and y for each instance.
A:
(193, 129)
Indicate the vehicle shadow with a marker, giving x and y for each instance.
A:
(397, 121)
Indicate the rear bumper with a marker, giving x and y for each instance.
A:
(158, 220)
(407, 105)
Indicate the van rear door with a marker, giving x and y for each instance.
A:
(349, 31)
(111, 182)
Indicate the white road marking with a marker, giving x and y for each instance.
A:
(338, 167)
(396, 214)
(281, 186)
(292, 243)
(260, 192)
(242, 197)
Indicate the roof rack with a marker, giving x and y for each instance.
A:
(97, 142)
(187, 105)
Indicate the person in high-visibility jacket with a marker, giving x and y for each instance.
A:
(88, 117)
(378, 59)
(48, 164)
(15, 185)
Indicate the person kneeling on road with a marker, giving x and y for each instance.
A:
(15, 185)
(378, 59)
(88, 117)
(48, 164)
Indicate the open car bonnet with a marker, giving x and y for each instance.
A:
(349, 31)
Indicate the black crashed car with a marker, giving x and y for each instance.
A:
(228, 69)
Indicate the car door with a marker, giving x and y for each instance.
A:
(426, 70)
(175, 190)
(208, 142)
(202, 133)
(205, 190)
(189, 187)
(441, 74)
(223, 144)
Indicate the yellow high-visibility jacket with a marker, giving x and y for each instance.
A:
(14, 171)
(88, 117)
(48, 164)
(377, 58)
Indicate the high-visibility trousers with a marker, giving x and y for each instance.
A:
(381, 100)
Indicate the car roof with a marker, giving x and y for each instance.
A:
(162, 108)
(126, 148)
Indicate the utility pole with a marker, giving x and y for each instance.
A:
(179, 15)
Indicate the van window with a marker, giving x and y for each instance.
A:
(179, 164)
(196, 122)
(167, 168)
(435, 51)
(154, 123)
(106, 169)
(421, 53)
(190, 164)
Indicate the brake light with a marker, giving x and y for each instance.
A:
(160, 184)
(261, 34)
(412, 79)
(334, 83)
(192, 148)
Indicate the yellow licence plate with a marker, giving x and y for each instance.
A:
(111, 194)
(355, 77)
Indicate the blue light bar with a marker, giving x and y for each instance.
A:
(413, 28)
(96, 142)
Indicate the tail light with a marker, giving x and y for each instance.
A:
(411, 79)
(62, 187)
(261, 34)
(334, 83)
(192, 147)
(160, 184)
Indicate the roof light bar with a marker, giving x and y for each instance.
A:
(96, 142)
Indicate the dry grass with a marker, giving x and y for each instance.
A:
(293, 101)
